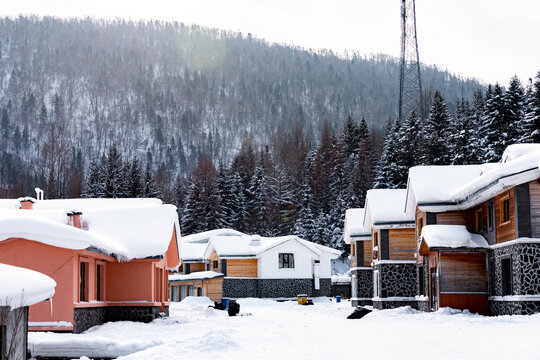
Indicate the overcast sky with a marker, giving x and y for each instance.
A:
(487, 39)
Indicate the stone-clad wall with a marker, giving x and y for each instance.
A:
(341, 290)
(273, 288)
(362, 279)
(396, 279)
(525, 278)
(240, 288)
(85, 318)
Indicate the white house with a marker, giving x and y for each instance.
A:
(268, 267)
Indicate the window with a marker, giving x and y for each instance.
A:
(479, 221)
(506, 267)
(174, 293)
(191, 290)
(215, 264)
(375, 239)
(490, 215)
(286, 261)
(421, 288)
(158, 289)
(83, 282)
(199, 291)
(419, 226)
(505, 210)
(100, 282)
(182, 292)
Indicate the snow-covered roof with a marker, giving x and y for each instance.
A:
(204, 237)
(443, 188)
(354, 225)
(198, 275)
(450, 237)
(255, 245)
(22, 287)
(192, 251)
(125, 228)
(386, 207)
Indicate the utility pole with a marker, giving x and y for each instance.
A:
(410, 86)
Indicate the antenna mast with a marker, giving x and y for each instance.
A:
(410, 86)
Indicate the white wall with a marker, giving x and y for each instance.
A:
(303, 263)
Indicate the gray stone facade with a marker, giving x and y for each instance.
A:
(273, 288)
(362, 279)
(85, 318)
(525, 268)
(396, 279)
(15, 337)
(397, 285)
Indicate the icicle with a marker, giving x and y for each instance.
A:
(50, 300)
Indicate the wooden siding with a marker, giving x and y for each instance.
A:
(534, 192)
(402, 244)
(507, 231)
(214, 289)
(463, 273)
(193, 267)
(475, 303)
(242, 267)
(214, 257)
(368, 253)
(457, 218)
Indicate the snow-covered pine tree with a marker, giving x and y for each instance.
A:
(150, 188)
(435, 147)
(388, 164)
(351, 135)
(203, 209)
(134, 179)
(113, 174)
(227, 197)
(514, 102)
(95, 186)
(531, 122)
(494, 128)
(239, 204)
(463, 139)
(408, 143)
(258, 201)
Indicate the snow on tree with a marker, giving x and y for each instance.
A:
(463, 139)
(388, 164)
(113, 175)
(435, 149)
(494, 130)
(531, 120)
(95, 184)
(514, 103)
(149, 188)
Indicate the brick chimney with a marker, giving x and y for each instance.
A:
(26, 203)
(74, 218)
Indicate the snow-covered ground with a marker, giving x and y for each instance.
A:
(290, 331)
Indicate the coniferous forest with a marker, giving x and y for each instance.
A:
(235, 132)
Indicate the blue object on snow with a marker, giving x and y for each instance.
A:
(225, 303)
(338, 298)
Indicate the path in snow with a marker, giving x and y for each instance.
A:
(289, 331)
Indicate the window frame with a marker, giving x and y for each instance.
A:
(505, 200)
(215, 264)
(507, 287)
(479, 220)
(288, 264)
(84, 280)
(375, 240)
(353, 248)
(419, 226)
(100, 281)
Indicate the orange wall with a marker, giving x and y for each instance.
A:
(52, 261)
(131, 281)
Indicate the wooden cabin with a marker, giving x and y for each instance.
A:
(19, 289)
(109, 257)
(201, 283)
(393, 243)
(501, 204)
